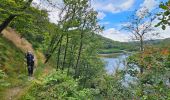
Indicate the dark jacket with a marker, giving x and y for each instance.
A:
(30, 59)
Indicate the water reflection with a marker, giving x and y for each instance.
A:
(115, 62)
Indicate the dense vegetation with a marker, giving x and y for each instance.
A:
(71, 47)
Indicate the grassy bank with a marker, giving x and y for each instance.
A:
(13, 65)
(109, 51)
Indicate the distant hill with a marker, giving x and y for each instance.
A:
(159, 42)
(111, 46)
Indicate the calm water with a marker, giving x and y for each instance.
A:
(115, 62)
(118, 62)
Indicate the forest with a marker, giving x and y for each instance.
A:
(69, 53)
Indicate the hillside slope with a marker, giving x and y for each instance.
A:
(19, 42)
(110, 46)
(13, 63)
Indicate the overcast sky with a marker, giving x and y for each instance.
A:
(112, 14)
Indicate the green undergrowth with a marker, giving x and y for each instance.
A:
(58, 86)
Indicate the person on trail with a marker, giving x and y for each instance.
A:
(30, 62)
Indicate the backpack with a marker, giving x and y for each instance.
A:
(30, 58)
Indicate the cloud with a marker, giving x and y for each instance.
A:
(54, 17)
(123, 36)
(104, 23)
(53, 12)
(149, 4)
(112, 6)
(101, 15)
(116, 35)
(162, 33)
(126, 5)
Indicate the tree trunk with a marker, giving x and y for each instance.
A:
(141, 70)
(51, 46)
(141, 45)
(52, 51)
(79, 54)
(85, 80)
(59, 51)
(6, 22)
(141, 49)
(71, 59)
(65, 53)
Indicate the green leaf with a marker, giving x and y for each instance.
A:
(158, 24)
(166, 13)
(163, 6)
(163, 27)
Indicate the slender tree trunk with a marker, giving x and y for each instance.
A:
(141, 45)
(6, 22)
(68, 70)
(51, 46)
(79, 54)
(71, 59)
(59, 51)
(65, 53)
(85, 76)
(52, 51)
(141, 49)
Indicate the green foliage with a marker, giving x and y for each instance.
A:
(73, 47)
(35, 31)
(31, 23)
(58, 86)
(3, 83)
(111, 87)
(12, 7)
(152, 82)
(164, 16)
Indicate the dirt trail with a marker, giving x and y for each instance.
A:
(24, 45)
(12, 93)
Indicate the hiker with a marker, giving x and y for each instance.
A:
(30, 62)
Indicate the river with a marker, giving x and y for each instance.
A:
(117, 61)
(114, 61)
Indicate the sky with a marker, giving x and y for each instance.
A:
(112, 14)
